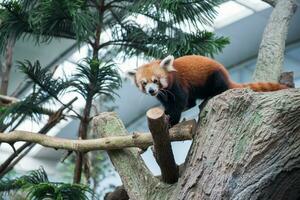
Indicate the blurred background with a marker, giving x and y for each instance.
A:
(242, 21)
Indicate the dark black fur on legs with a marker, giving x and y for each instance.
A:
(175, 100)
(191, 103)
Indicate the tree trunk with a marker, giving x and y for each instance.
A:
(271, 51)
(82, 135)
(6, 67)
(247, 146)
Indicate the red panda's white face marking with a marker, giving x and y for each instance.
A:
(164, 82)
(152, 77)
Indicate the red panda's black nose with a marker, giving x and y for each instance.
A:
(151, 91)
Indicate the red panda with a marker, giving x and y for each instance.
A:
(178, 83)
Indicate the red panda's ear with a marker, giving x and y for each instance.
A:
(167, 63)
(131, 74)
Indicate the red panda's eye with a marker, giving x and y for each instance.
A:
(154, 81)
(144, 83)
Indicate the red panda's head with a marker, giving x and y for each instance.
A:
(152, 77)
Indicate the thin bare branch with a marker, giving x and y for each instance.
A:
(181, 132)
(8, 99)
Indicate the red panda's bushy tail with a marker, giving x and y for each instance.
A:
(260, 86)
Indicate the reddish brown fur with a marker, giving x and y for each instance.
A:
(149, 69)
(260, 86)
(193, 70)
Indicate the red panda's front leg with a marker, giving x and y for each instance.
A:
(174, 115)
(175, 106)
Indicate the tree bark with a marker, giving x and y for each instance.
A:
(246, 147)
(5, 71)
(271, 51)
(82, 135)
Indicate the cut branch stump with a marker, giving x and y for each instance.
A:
(158, 127)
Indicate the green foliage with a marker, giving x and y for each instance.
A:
(94, 77)
(14, 22)
(168, 28)
(45, 19)
(178, 10)
(62, 18)
(38, 187)
(2, 110)
(35, 177)
(33, 106)
(43, 78)
(155, 44)
(167, 31)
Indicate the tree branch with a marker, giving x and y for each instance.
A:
(137, 179)
(271, 52)
(287, 78)
(8, 100)
(162, 146)
(180, 132)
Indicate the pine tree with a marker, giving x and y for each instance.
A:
(110, 28)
